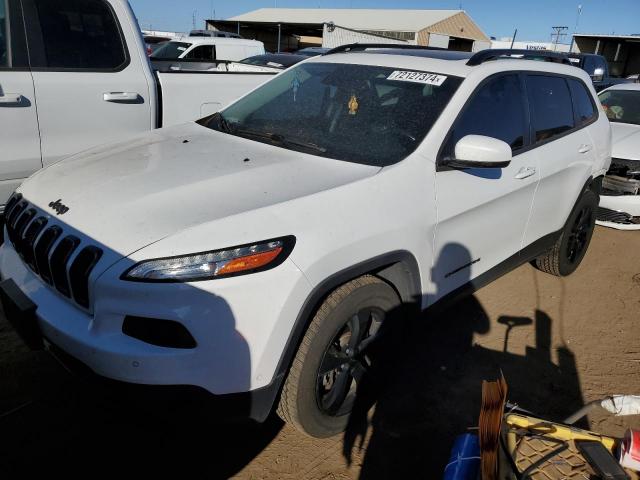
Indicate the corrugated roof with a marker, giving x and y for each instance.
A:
(604, 35)
(363, 19)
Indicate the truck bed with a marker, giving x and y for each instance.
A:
(188, 95)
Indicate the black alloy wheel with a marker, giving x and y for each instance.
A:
(580, 233)
(346, 360)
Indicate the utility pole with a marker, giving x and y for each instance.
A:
(193, 18)
(575, 30)
(513, 39)
(559, 32)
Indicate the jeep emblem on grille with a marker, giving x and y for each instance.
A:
(59, 207)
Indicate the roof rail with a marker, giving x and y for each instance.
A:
(359, 47)
(494, 54)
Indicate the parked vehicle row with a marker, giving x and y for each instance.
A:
(262, 251)
(75, 74)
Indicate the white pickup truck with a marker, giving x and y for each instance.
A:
(75, 74)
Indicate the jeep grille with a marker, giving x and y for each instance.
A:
(48, 252)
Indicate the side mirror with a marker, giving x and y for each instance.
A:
(598, 74)
(478, 151)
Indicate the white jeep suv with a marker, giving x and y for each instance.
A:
(257, 252)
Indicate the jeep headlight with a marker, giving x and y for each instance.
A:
(228, 262)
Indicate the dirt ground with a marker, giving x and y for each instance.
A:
(570, 340)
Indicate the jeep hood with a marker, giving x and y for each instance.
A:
(626, 141)
(128, 195)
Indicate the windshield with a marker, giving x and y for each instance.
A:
(622, 105)
(358, 113)
(171, 50)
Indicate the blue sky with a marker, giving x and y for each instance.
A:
(532, 18)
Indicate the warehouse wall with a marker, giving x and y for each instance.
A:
(459, 25)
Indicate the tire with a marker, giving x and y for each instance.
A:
(571, 246)
(310, 401)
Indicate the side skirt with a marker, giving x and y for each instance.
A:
(525, 255)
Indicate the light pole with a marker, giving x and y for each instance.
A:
(575, 29)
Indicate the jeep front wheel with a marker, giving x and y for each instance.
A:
(320, 389)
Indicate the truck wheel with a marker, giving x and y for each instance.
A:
(320, 389)
(566, 254)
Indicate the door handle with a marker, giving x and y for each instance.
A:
(584, 148)
(122, 97)
(525, 172)
(10, 98)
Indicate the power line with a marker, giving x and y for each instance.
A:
(557, 35)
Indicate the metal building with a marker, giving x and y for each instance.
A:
(621, 51)
(286, 29)
(532, 45)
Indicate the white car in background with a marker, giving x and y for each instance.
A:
(208, 49)
(620, 197)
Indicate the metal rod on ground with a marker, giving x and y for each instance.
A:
(514, 38)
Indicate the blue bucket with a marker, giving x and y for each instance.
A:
(464, 463)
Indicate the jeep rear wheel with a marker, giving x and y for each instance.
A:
(320, 389)
(567, 253)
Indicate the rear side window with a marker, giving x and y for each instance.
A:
(496, 110)
(203, 52)
(4, 40)
(583, 105)
(74, 34)
(551, 106)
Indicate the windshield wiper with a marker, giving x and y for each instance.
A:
(278, 139)
(307, 145)
(223, 123)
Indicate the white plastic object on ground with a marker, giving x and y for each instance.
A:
(622, 405)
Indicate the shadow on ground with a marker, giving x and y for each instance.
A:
(424, 382)
(426, 388)
(77, 425)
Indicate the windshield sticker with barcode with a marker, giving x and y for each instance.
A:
(417, 77)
